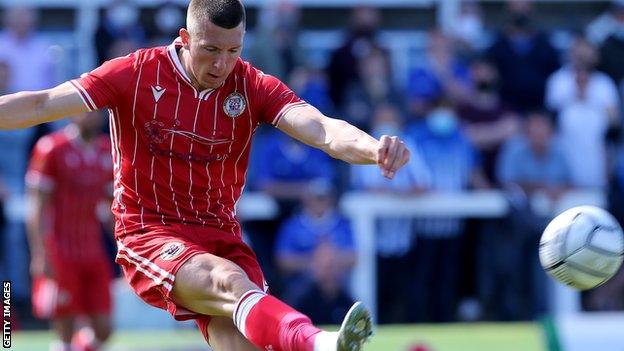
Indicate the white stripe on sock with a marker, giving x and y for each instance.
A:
(244, 306)
(326, 341)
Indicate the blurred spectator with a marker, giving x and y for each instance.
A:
(345, 61)
(524, 58)
(375, 87)
(533, 163)
(610, 23)
(468, 30)
(323, 297)
(443, 74)
(587, 103)
(121, 47)
(311, 85)
(488, 123)
(120, 21)
(395, 242)
(276, 49)
(320, 235)
(13, 161)
(285, 166)
(168, 20)
(25, 51)
(454, 167)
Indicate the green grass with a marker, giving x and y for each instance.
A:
(450, 337)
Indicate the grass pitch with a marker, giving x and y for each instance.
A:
(448, 337)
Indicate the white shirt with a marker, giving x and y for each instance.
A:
(583, 123)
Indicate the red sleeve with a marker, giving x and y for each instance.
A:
(42, 170)
(104, 86)
(274, 98)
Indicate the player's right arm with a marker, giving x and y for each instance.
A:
(29, 108)
(39, 262)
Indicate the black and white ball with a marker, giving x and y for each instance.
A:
(582, 247)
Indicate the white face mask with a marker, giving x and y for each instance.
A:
(122, 15)
(442, 122)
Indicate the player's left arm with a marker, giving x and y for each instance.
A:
(344, 141)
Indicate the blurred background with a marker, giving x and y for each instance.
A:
(512, 110)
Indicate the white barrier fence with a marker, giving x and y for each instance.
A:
(365, 208)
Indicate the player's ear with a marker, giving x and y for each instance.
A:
(185, 36)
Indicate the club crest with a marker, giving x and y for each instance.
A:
(234, 105)
(171, 251)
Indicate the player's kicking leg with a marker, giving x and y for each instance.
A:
(214, 286)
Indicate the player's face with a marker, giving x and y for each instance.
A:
(213, 53)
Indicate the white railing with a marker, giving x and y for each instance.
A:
(365, 208)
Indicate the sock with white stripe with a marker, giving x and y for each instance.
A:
(270, 324)
(61, 346)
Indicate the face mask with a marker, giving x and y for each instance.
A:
(442, 122)
(520, 20)
(123, 15)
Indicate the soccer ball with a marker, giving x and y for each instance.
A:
(582, 247)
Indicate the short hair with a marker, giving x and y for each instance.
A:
(226, 14)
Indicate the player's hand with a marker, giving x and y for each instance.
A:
(39, 266)
(392, 154)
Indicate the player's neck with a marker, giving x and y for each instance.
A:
(184, 57)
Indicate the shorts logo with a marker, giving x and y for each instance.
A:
(234, 105)
(171, 251)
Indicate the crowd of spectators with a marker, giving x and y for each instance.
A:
(485, 108)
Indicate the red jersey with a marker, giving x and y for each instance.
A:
(180, 155)
(78, 179)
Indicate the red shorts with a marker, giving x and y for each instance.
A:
(151, 259)
(77, 288)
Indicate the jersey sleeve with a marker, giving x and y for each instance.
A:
(104, 86)
(42, 170)
(274, 98)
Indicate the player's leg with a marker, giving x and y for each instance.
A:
(93, 336)
(215, 286)
(64, 329)
(224, 336)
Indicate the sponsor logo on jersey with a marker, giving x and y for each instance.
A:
(171, 251)
(234, 105)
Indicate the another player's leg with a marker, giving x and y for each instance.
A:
(64, 329)
(214, 286)
(93, 336)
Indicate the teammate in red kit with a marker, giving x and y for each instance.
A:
(182, 120)
(69, 179)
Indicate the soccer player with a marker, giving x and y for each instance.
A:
(181, 119)
(69, 179)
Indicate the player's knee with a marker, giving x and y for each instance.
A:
(232, 279)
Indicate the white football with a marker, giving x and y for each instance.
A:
(582, 247)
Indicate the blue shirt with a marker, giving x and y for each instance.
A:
(281, 158)
(518, 163)
(302, 234)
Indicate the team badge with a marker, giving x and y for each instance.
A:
(171, 251)
(234, 105)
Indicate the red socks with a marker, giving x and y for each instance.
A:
(270, 324)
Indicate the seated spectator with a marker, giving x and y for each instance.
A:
(454, 166)
(284, 166)
(587, 104)
(394, 239)
(318, 223)
(488, 123)
(529, 164)
(323, 297)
